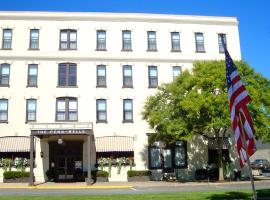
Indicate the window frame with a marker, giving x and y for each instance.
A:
(125, 120)
(99, 40)
(31, 76)
(125, 85)
(200, 46)
(220, 46)
(126, 42)
(68, 32)
(67, 110)
(173, 70)
(4, 40)
(152, 77)
(31, 40)
(4, 111)
(98, 78)
(154, 45)
(1, 75)
(28, 111)
(98, 112)
(68, 75)
(173, 49)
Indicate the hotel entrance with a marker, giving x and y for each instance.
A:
(66, 161)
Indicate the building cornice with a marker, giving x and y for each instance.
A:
(117, 17)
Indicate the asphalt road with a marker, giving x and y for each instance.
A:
(136, 189)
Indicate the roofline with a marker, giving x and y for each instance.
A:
(117, 17)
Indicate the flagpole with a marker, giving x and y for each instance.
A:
(243, 138)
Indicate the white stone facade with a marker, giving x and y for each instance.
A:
(86, 57)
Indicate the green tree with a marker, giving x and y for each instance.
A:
(197, 103)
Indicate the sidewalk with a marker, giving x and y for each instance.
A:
(117, 185)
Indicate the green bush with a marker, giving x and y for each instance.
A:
(102, 174)
(15, 174)
(132, 173)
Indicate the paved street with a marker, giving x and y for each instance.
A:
(124, 188)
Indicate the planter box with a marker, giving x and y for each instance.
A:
(99, 179)
(138, 179)
(17, 180)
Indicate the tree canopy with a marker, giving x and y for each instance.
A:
(197, 103)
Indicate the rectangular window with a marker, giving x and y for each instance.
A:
(176, 71)
(127, 76)
(152, 77)
(199, 40)
(155, 158)
(101, 110)
(3, 110)
(34, 39)
(7, 39)
(68, 39)
(31, 107)
(126, 38)
(128, 111)
(66, 109)
(32, 75)
(67, 75)
(101, 40)
(222, 41)
(175, 37)
(180, 154)
(151, 41)
(101, 76)
(4, 74)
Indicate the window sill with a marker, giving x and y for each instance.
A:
(152, 87)
(126, 50)
(127, 121)
(66, 120)
(176, 51)
(33, 49)
(4, 85)
(101, 86)
(101, 122)
(67, 86)
(149, 50)
(3, 122)
(127, 86)
(6, 49)
(101, 49)
(31, 86)
(67, 49)
(200, 52)
(27, 122)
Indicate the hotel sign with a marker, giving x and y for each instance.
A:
(61, 132)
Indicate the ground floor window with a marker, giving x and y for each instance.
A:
(168, 157)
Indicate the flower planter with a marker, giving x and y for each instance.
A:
(138, 179)
(17, 180)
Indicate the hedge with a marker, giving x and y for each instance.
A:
(132, 173)
(15, 174)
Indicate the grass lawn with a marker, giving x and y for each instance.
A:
(223, 195)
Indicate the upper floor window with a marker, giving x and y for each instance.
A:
(152, 76)
(66, 109)
(67, 74)
(31, 108)
(126, 42)
(34, 39)
(127, 111)
(127, 76)
(101, 110)
(68, 39)
(101, 40)
(7, 38)
(222, 41)
(4, 74)
(32, 75)
(175, 37)
(3, 110)
(151, 41)
(176, 71)
(199, 40)
(101, 76)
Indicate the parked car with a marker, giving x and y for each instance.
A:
(262, 164)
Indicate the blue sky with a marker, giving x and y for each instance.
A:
(253, 16)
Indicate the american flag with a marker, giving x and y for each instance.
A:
(238, 99)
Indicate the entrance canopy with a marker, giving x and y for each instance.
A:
(114, 144)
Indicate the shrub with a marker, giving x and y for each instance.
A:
(102, 173)
(132, 173)
(15, 174)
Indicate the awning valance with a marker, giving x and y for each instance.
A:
(114, 144)
(14, 144)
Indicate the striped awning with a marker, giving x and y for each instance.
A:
(213, 143)
(14, 144)
(114, 144)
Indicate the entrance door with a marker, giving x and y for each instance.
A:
(67, 161)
